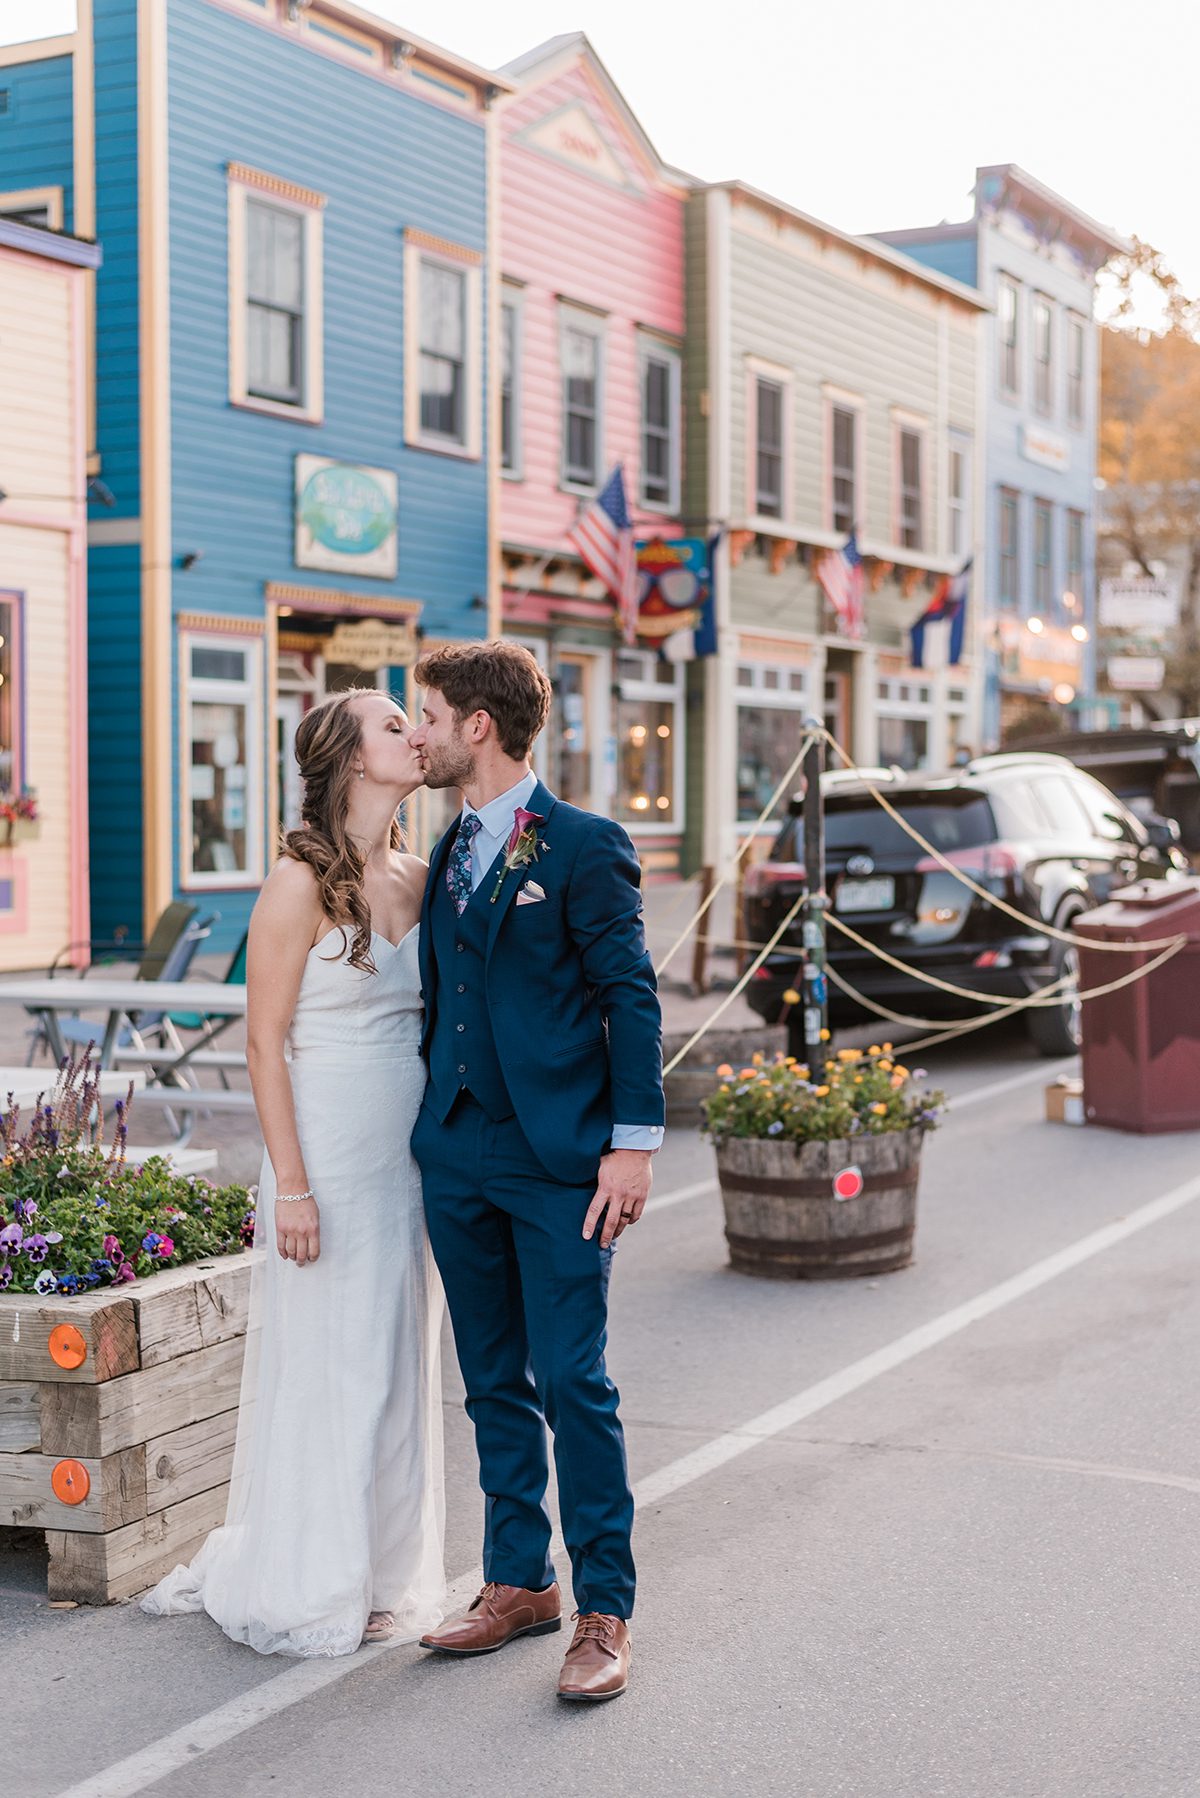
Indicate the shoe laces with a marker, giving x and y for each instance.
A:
(594, 1626)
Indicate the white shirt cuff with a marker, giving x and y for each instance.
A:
(637, 1136)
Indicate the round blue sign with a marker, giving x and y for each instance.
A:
(346, 510)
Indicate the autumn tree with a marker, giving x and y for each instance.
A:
(1150, 447)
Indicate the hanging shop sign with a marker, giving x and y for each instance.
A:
(1037, 659)
(373, 643)
(346, 517)
(1136, 674)
(1045, 447)
(1146, 607)
(676, 593)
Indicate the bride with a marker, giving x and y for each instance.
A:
(333, 1534)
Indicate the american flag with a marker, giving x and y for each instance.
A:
(840, 572)
(603, 535)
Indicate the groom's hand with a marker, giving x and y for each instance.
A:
(621, 1193)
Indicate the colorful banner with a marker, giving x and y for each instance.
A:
(675, 603)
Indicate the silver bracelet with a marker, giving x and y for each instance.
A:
(289, 1197)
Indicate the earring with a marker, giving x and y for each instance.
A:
(359, 772)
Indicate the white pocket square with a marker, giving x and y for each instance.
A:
(530, 894)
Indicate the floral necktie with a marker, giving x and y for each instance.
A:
(458, 868)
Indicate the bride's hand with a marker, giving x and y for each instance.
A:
(298, 1230)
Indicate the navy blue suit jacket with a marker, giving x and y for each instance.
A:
(570, 988)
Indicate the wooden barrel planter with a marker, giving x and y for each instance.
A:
(784, 1222)
(118, 1412)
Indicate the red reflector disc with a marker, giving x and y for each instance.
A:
(848, 1184)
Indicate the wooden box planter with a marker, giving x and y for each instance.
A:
(783, 1221)
(118, 1412)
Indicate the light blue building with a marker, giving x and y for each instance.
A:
(1035, 258)
(291, 352)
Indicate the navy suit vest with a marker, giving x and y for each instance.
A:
(462, 1048)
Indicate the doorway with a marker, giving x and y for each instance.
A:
(576, 726)
(836, 712)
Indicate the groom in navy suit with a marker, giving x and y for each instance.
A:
(543, 1037)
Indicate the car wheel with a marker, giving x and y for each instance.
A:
(1058, 1029)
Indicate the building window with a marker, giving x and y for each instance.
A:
(1043, 557)
(768, 447)
(1010, 549)
(510, 383)
(1075, 355)
(958, 489)
(12, 696)
(442, 354)
(771, 704)
(581, 353)
(649, 715)
(843, 468)
(1073, 598)
(660, 426)
(223, 780)
(275, 297)
(902, 711)
(909, 456)
(1007, 335)
(1043, 354)
(34, 206)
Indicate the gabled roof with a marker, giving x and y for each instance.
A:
(546, 60)
(1010, 178)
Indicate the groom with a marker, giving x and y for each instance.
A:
(543, 1037)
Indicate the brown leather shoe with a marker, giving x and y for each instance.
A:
(495, 1617)
(597, 1662)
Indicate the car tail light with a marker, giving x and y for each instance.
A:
(763, 876)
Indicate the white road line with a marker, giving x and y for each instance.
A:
(680, 1194)
(132, 1775)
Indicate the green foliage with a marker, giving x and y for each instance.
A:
(857, 1093)
(75, 1215)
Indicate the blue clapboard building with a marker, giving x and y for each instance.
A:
(289, 479)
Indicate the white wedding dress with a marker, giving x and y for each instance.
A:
(336, 1506)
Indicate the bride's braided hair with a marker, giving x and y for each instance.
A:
(327, 739)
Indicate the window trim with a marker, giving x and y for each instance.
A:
(28, 199)
(839, 399)
(1044, 608)
(572, 317)
(419, 248)
(243, 183)
(15, 597)
(757, 368)
(1076, 383)
(911, 424)
(662, 692)
(1076, 521)
(1045, 408)
(337, 36)
(959, 444)
(1013, 602)
(657, 349)
(253, 691)
(1008, 390)
(512, 294)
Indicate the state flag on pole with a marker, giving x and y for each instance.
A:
(840, 572)
(603, 535)
(948, 605)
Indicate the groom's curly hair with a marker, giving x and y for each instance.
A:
(499, 678)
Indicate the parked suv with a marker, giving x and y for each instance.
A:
(1031, 829)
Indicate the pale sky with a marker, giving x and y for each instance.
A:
(873, 113)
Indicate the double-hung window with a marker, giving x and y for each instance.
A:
(659, 367)
(581, 352)
(843, 446)
(1076, 341)
(1043, 354)
(768, 447)
(12, 697)
(275, 302)
(910, 511)
(1010, 549)
(1008, 336)
(442, 346)
(1075, 564)
(223, 772)
(510, 382)
(958, 484)
(1043, 557)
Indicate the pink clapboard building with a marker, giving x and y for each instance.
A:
(592, 354)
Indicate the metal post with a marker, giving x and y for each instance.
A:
(814, 992)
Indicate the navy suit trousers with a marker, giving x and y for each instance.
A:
(528, 1301)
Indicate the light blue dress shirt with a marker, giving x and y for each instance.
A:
(496, 820)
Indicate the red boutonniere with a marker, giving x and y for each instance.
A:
(522, 848)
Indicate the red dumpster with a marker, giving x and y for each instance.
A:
(1141, 1045)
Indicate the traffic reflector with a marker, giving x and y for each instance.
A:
(70, 1482)
(848, 1184)
(67, 1347)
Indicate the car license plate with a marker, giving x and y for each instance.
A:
(877, 894)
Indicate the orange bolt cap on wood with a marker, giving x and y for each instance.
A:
(70, 1482)
(67, 1347)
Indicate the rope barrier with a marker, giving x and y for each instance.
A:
(737, 989)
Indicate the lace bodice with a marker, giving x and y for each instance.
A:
(347, 1011)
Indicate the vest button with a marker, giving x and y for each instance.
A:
(461, 1028)
(462, 1067)
(460, 947)
(462, 989)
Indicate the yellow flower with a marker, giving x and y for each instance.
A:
(803, 1073)
(879, 1110)
(824, 1036)
(746, 1074)
(897, 1080)
(874, 1049)
(887, 1048)
(886, 1066)
(723, 1089)
(903, 1072)
(857, 1081)
(724, 1072)
(822, 1092)
(789, 1061)
(849, 1056)
(791, 996)
(757, 1058)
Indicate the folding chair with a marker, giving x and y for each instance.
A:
(164, 939)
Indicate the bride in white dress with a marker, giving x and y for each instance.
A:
(334, 1528)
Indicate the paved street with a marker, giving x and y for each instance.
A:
(967, 1565)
